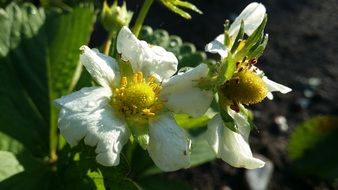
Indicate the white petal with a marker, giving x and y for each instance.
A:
(241, 122)
(102, 68)
(230, 146)
(87, 114)
(169, 146)
(181, 93)
(252, 16)
(151, 60)
(269, 96)
(193, 101)
(217, 46)
(86, 99)
(273, 86)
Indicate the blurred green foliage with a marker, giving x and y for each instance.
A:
(313, 147)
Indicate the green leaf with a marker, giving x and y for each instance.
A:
(21, 118)
(38, 179)
(39, 59)
(4, 3)
(78, 175)
(177, 7)
(9, 165)
(312, 147)
(26, 171)
(309, 133)
(80, 170)
(97, 177)
(201, 151)
(7, 143)
(141, 163)
(38, 62)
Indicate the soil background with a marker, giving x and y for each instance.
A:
(302, 47)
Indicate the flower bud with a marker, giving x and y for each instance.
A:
(114, 17)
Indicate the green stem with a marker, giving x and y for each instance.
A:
(107, 44)
(141, 16)
(53, 136)
(53, 129)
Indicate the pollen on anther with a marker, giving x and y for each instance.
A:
(137, 96)
(151, 79)
(148, 112)
(124, 81)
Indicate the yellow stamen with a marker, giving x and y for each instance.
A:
(138, 98)
(245, 87)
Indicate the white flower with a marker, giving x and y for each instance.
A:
(230, 146)
(252, 16)
(247, 85)
(102, 115)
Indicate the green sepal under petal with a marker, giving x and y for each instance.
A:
(249, 116)
(140, 132)
(257, 51)
(239, 38)
(227, 69)
(228, 120)
(254, 40)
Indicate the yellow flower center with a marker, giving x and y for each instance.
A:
(137, 98)
(245, 87)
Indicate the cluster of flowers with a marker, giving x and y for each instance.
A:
(138, 93)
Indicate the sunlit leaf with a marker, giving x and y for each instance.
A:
(9, 165)
(313, 145)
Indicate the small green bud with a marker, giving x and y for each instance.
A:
(245, 87)
(115, 17)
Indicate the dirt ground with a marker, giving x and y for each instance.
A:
(301, 53)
